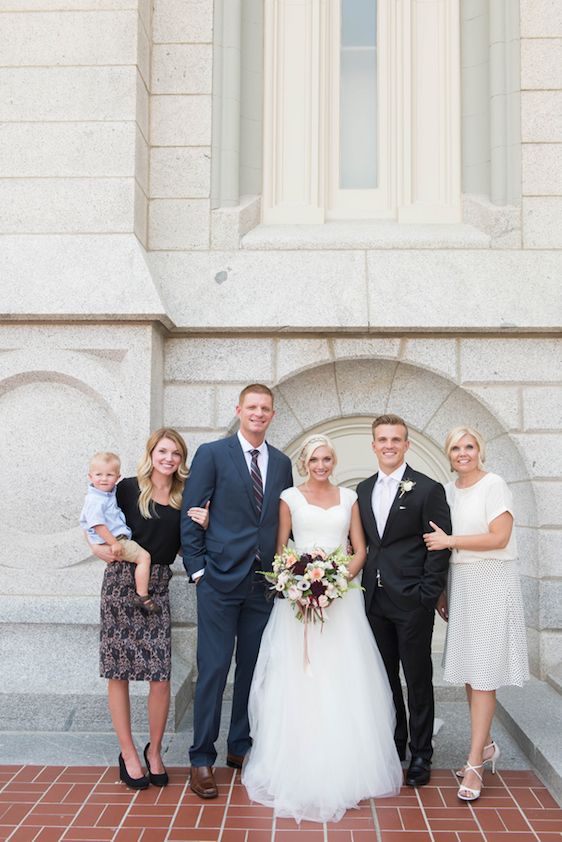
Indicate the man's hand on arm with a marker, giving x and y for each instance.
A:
(442, 606)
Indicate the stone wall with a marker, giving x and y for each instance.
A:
(180, 154)
(541, 123)
(74, 79)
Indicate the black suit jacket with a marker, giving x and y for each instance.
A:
(410, 574)
(227, 549)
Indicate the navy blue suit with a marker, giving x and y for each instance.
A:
(231, 599)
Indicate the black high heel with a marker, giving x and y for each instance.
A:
(158, 780)
(133, 783)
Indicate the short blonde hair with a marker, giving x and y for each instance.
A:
(105, 456)
(457, 433)
(311, 444)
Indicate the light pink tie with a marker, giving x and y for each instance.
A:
(385, 502)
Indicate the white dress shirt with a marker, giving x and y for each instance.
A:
(263, 458)
(394, 479)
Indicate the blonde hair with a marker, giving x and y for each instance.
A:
(457, 433)
(311, 444)
(144, 472)
(105, 456)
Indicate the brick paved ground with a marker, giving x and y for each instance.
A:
(79, 803)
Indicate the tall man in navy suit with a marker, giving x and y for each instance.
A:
(403, 582)
(242, 477)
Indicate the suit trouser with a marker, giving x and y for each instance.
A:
(405, 636)
(223, 620)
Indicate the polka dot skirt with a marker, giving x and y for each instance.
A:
(486, 644)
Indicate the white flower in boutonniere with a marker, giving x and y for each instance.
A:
(405, 486)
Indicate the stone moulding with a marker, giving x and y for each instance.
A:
(407, 290)
(111, 278)
(78, 277)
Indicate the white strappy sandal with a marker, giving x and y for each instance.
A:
(491, 760)
(465, 793)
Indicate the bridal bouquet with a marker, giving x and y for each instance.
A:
(310, 581)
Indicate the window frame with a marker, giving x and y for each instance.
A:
(301, 114)
(362, 203)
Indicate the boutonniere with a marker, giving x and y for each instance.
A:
(405, 486)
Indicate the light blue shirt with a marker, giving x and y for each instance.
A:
(100, 508)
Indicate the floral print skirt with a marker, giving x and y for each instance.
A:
(134, 645)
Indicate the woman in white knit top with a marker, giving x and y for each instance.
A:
(486, 644)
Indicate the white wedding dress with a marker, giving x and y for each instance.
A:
(322, 735)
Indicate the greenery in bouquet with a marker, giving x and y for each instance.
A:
(311, 581)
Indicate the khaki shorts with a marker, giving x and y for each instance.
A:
(131, 549)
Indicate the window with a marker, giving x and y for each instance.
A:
(357, 91)
(361, 114)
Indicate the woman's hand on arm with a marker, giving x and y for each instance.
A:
(284, 528)
(495, 539)
(200, 514)
(102, 551)
(438, 539)
(358, 542)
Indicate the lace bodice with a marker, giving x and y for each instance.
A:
(314, 526)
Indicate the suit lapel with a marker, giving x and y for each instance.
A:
(241, 466)
(370, 525)
(273, 462)
(398, 500)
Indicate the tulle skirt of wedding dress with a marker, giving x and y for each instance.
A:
(322, 735)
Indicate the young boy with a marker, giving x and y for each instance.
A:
(105, 523)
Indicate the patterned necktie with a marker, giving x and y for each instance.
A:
(257, 483)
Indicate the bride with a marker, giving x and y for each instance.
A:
(322, 734)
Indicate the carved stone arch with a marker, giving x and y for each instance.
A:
(55, 403)
(354, 390)
(430, 403)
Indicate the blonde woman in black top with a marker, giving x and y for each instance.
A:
(135, 646)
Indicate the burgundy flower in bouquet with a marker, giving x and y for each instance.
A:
(310, 581)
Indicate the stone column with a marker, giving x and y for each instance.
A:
(295, 45)
(541, 110)
(180, 156)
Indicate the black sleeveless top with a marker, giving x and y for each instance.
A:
(158, 535)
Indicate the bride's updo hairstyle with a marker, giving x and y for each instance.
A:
(309, 446)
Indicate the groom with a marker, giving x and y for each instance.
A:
(403, 581)
(242, 477)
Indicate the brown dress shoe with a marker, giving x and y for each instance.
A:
(203, 782)
(235, 761)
